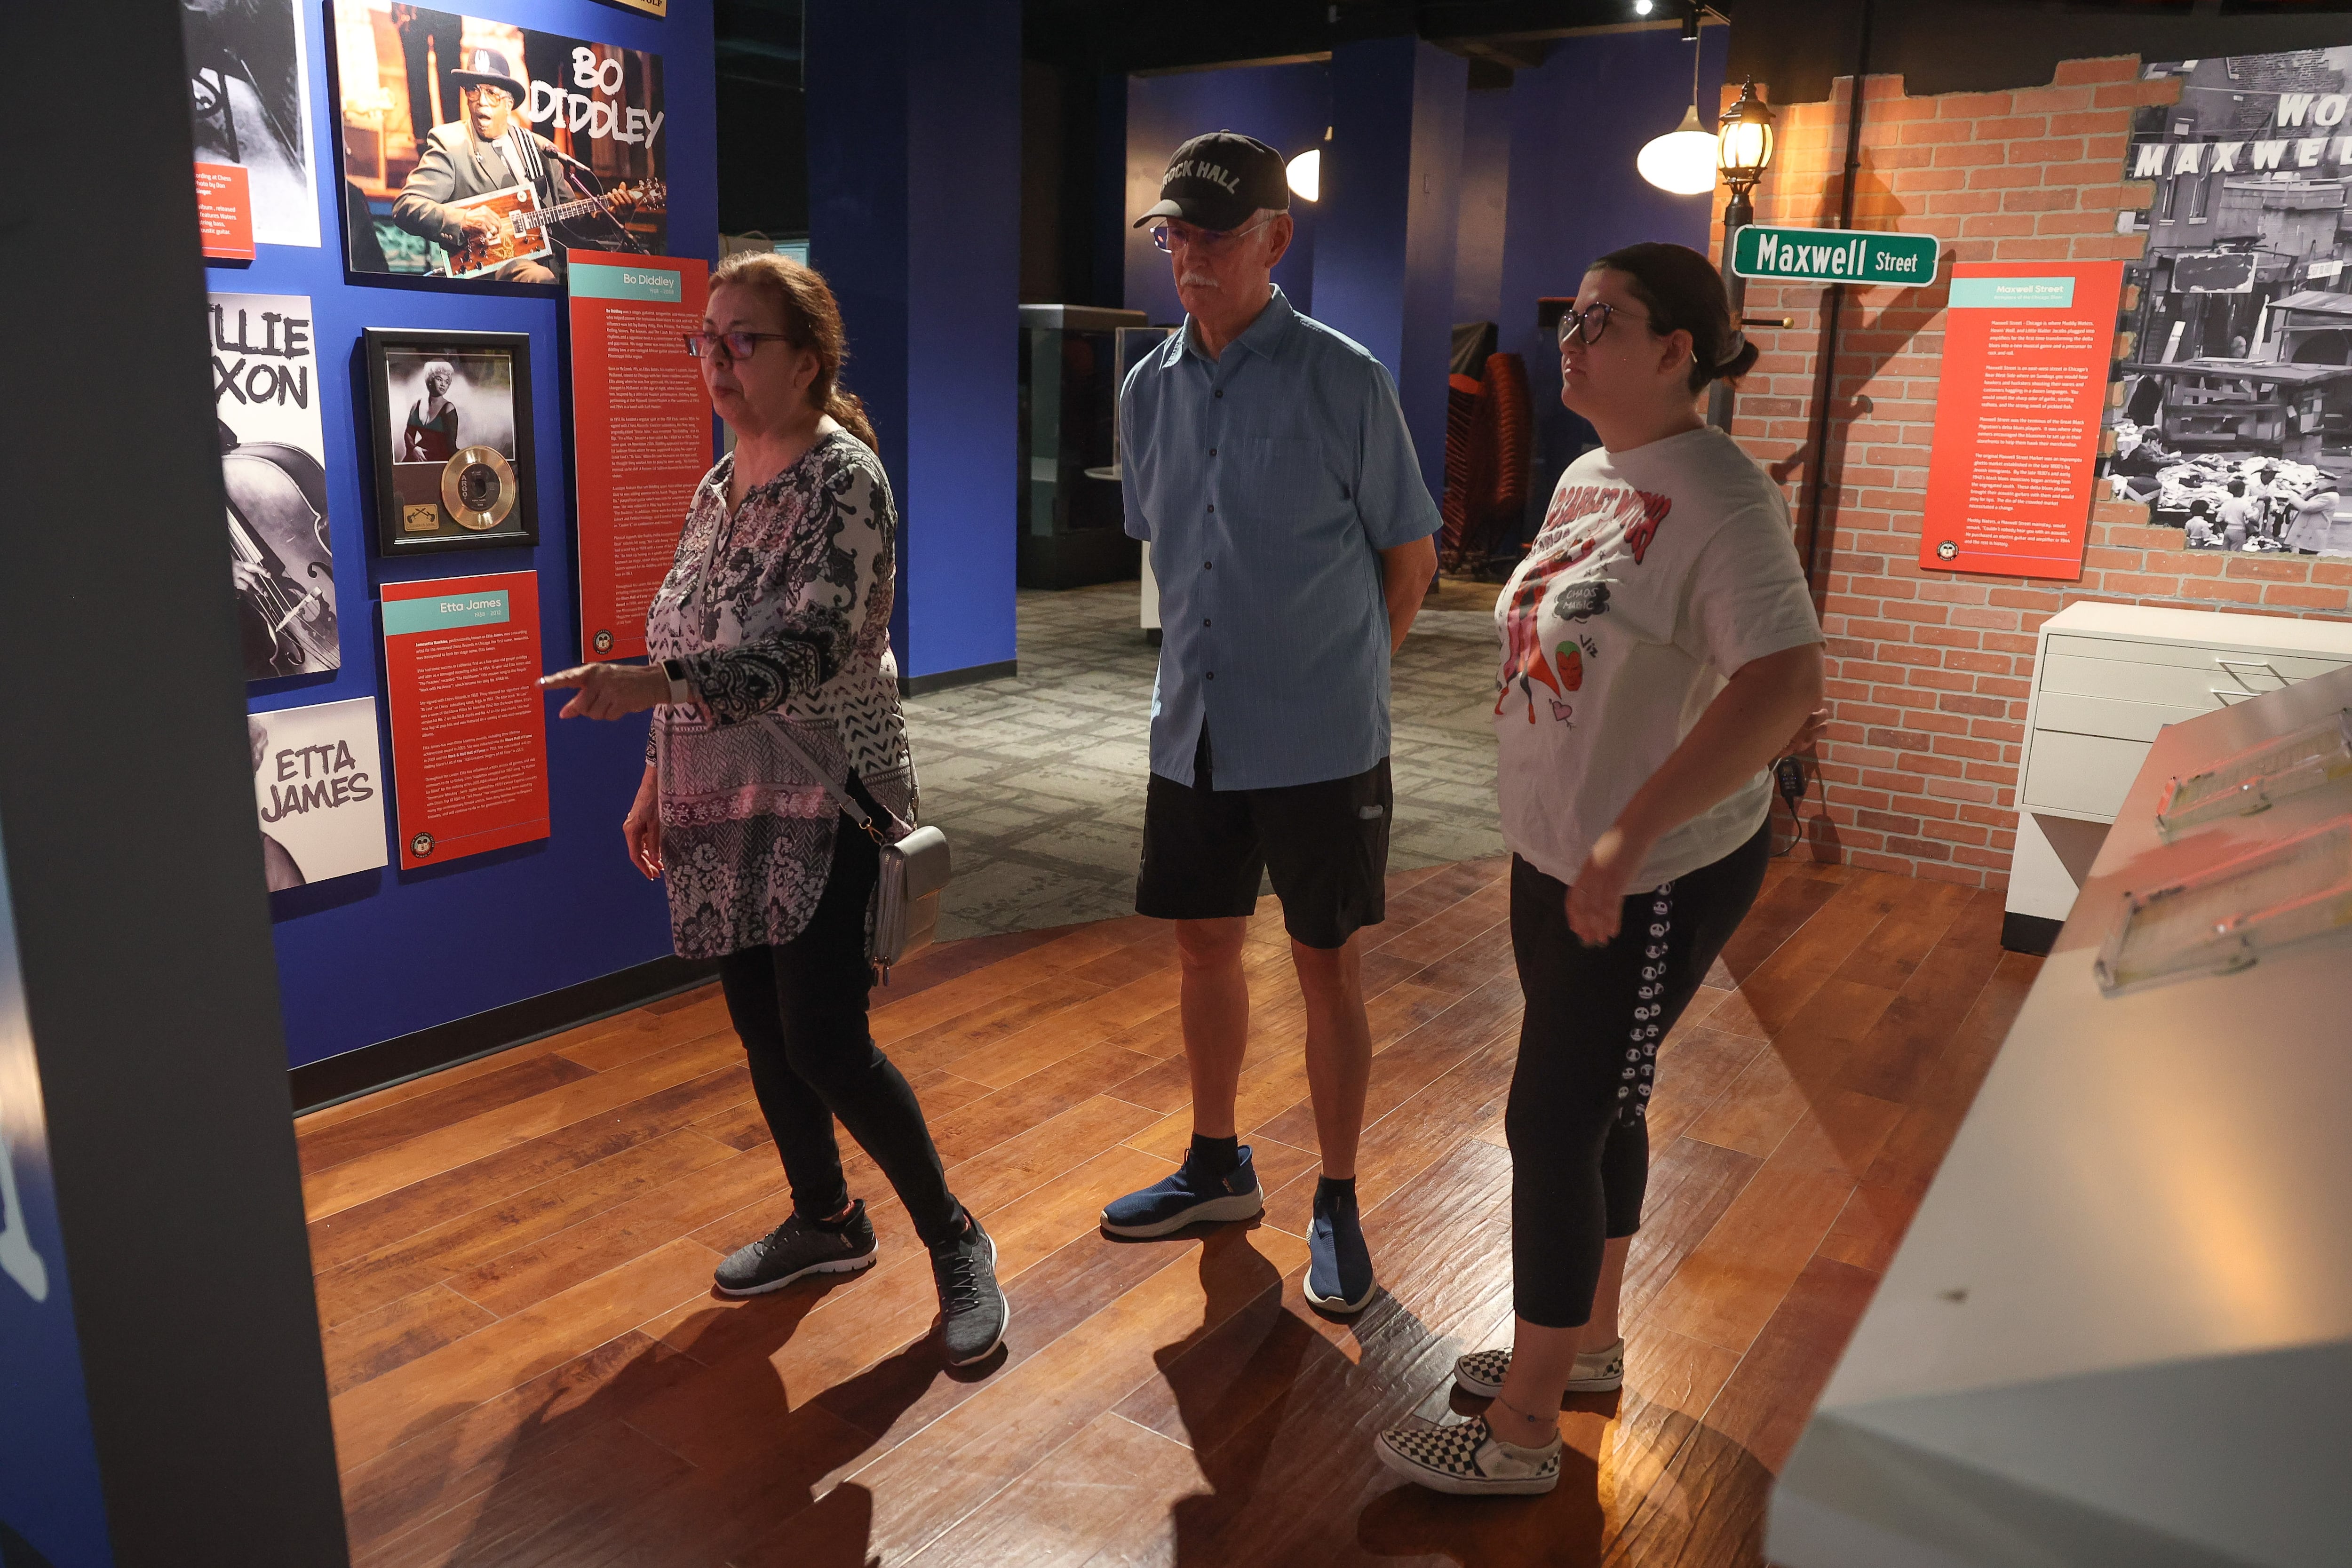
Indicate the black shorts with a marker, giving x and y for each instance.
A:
(1325, 845)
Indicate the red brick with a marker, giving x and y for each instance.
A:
(1940, 679)
(2130, 95)
(2271, 568)
(1974, 105)
(1972, 154)
(2302, 598)
(2140, 583)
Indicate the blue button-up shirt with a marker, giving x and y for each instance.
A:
(1267, 480)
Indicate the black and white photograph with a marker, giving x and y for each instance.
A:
(477, 151)
(249, 98)
(317, 784)
(266, 396)
(2236, 418)
(452, 435)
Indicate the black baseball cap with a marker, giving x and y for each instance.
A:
(1218, 180)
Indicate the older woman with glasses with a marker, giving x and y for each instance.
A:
(773, 632)
(1659, 649)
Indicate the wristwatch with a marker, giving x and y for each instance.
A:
(681, 690)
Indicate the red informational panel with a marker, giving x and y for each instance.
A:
(641, 427)
(2027, 349)
(468, 722)
(225, 212)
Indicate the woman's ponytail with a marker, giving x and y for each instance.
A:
(848, 411)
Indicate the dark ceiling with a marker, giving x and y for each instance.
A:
(759, 41)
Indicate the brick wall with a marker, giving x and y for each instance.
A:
(1928, 671)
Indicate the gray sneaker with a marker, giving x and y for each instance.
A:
(796, 1249)
(972, 1309)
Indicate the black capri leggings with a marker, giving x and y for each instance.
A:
(1577, 1121)
(800, 1009)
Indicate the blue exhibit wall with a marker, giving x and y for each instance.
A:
(914, 216)
(1577, 122)
(1486, 201)
(1390, 228)
(368, 957)
(1286, 106)
(963, 337)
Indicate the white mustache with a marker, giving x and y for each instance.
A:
(1198, 280)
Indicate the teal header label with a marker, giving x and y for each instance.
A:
(2012, 293)
(592, 281)
(443, 612)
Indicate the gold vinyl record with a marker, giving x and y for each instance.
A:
(478, 487)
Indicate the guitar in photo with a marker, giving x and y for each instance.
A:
(522, 230)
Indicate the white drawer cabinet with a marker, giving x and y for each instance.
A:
(2107, 677)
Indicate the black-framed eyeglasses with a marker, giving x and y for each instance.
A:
(738, 345)
(1588, 324)
(1215, 241)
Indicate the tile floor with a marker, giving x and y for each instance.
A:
(1038, 780)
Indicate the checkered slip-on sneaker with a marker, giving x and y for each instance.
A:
(1466, 1459)
(1596, 1372)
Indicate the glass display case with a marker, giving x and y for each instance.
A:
(1071, 524)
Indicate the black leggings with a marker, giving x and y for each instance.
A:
(1577, 1121)
(801, 1011)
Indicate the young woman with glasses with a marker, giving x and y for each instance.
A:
(1660, 649)
(775, 618)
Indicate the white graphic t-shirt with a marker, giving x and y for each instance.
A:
(1659, 572)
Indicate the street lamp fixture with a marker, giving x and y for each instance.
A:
(1744, 143)
(1743, 152)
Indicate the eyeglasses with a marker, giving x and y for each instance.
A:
(497, 96)
(1587, 325)
(1214, 241)
(725, 346)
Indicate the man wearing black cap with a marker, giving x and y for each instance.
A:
(487, 148)
(1267, 461)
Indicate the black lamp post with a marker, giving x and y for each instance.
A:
(1743, 152)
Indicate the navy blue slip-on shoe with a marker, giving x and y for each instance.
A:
(1339, 1263)
(1187, 1196)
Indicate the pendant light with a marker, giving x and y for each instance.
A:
(1684, 160)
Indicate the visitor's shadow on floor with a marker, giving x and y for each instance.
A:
(638, 1449)
(1280, 1405)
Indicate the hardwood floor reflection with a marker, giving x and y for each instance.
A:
(528, 1367)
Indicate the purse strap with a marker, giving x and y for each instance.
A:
(841, 798)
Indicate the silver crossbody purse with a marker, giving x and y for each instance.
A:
(903, 916)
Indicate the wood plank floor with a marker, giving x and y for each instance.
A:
(513, 1263)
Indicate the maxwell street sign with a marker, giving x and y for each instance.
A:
(1834, 255)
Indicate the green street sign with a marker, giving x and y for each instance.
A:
(1835, 255)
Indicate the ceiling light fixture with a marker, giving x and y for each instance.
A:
(1683, 161)
(1306, 173)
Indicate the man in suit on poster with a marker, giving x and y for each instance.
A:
(487, 148)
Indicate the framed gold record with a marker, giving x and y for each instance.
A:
(478, 487)
(452, 423)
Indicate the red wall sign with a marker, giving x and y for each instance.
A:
(641, 426)
(2027, 348)
(225, 212)
(468, 721)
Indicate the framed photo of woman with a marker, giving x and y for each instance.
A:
(450, 414)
